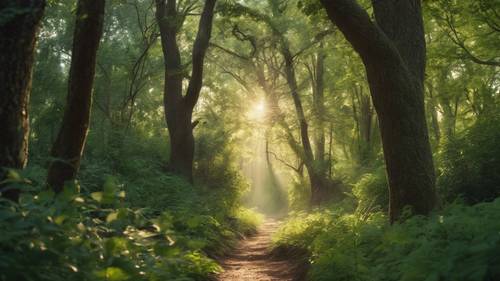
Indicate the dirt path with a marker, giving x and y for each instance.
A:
(251, 260)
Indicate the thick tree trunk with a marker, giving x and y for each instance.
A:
(180, 129)
(319, 186)
(179, 108)
(393, 52)
(17, 47)
(68, 147)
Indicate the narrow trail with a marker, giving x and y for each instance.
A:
(252, 259)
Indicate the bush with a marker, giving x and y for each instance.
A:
(459, 243)
(471, 163)
(98, 236)
(372, 191)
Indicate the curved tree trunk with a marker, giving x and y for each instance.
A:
(179, 108)
(321, 188)
(17, 47)
(68, 147)
(393, 52)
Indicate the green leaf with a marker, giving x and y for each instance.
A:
(112, 217)
(194, 222)
(70, 192)
(97, 196)
(113, 274)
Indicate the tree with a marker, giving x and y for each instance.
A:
(363, 116)
(69, 145)
(321, 187)
(472, 28)
(316, 72)
(19, 23)
(178, 107)
(393, 51)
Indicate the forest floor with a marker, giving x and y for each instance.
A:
(253, 259)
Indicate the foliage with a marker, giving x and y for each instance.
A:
(458, 243)
(77, 236)
(372, 191)
(299, 195)
(166, 228)
(470, 162)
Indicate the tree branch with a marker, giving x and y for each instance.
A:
(199, 50)
(369, 41)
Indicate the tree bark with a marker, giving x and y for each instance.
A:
(179, 108)
(69, 145)
(393, 52)
(319, 106)
(18, 29)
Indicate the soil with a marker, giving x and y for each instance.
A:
(253, 259)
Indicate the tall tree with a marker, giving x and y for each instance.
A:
(317, 175)
(68, 147)
(19, 23)
(321, 187)
(316, 72)
(178, 107)
(393, 51)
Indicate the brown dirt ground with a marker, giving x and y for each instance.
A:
(253, 260)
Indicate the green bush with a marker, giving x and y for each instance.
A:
(98, 236)
(471, 163)
(372, 191)
(299, 194)
(460, 243)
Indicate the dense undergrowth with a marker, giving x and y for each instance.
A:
(123, 220)
(74, 236)
(353, 241)
(459, 243)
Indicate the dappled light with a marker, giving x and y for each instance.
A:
(231, 140)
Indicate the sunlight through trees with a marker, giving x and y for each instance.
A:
(249, 140)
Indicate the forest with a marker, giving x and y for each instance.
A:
(262, 140)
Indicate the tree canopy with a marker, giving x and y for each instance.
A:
(352, 139)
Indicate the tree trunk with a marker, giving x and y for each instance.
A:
(365, 127)
(68, 147)
(393, 52)
(179, 108)
(317, 176)
(17, 45)
(330, 153)
(319, 107)
(448, 117)
(432, 108)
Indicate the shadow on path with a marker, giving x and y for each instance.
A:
(252, 259)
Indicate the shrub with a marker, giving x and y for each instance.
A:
(76, 236)
(372, 191)
(471, 163)
(460, 243)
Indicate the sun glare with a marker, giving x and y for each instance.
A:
(258, 111)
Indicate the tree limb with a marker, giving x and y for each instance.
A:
(200, 47)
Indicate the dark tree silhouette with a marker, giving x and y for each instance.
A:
(19, 24)
(394, 53)
(68, 147)
(179, 107)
